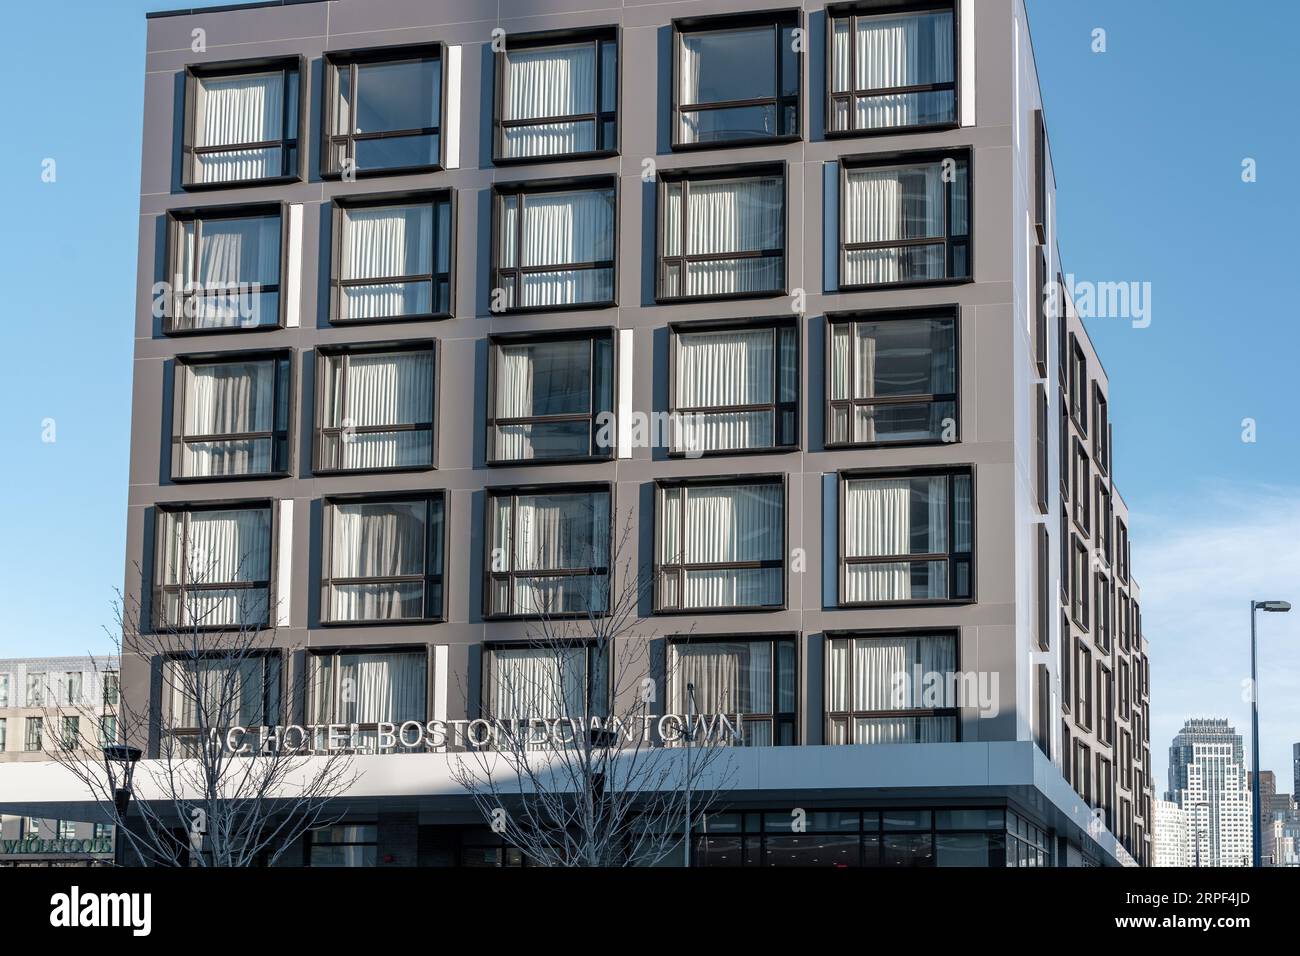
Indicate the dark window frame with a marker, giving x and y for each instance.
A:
(780, 479)
(776, 719)
(1081, 491)
(1040, 294)
(1102, 612)
(1045, 604)
(1065, 662)
(433, 578)
(777, 20)
(594, 705)
(1078, 385)
(1079, 584)
(1100, 430)
(947, 313)
(1041, 454)
(683, 260)
(500, 275)
(1083, 686)
(540, 40)
(313, 654)
(336, 60)
(281, 434)
(1104, 520)
(291, 170)
(273, 687)
(325, 354)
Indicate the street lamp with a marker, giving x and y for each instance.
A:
(1257, 838)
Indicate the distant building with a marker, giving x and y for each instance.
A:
(1171, 840)
(1282, 840)
(1208, 780)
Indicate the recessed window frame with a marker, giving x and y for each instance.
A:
(433, 579)
(1078, 385)
(1083, 686)
(336, 60)
(1105, 515)
(560, 38)
(780, 479)
(947, 313)
(293, 138)
(271, 703)
(1080, 572)
(1100, 430)
(281, 435)
(960, 154)
(776, 718)
(501, 275)
(776, 406)
(1102, 612)
(313, 660)
(951, 558)
(1081, 481)
(175, 299)
(324, 355)
(598, 701)
(778, 20)
(683, 260)
(434, 198)
(852, 11)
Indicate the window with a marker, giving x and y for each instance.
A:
(1040, 293)
(1040, 208)
(721, 545)
(224, 266)
(546, 396)
(1082, 686)
(1100, 430)
(1105, 515)
(1082, 499)
(1102, 613)
(721, 234)
(906, 538)
(1123, 616)
(1043, 710)
(4, 690)
(366, 688)
(1079, 570)
(70, 688)
(1121, 551)
(904, 220)
(557, 98)
(1065, 653)
(893, 379)
(71, 737)
(213, 567)
(1041, 454)
(750, 676)
(1063, 338)
(67, 830)
(1078, 385)
(392, 258)
(1083, 771)
(36, 685)
(219, 691)
(107, 730)
(384, 560)
(376, 408)
(551, 682)
(554, 246)
(35, 734)
(231, 416)
(1126, 762)
(1063, 445)
(875, 689)
(736, 80)
(1106, 789)
(891, 69)
(383, 111)
(735, 387)
(1045, 604)
(1105, 705)
(112, 688)
(344, 844)
(242, 123)
(1067, 751)
(103, 831)
(4, 733)
(549, 551)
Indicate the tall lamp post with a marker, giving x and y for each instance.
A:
(119, 765)
(1257, 838)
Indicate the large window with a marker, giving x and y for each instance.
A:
(557, 98)
(1081, 493)
(36, 690)
(877, 689)
(344, 844)
(231, 416)
(892, 69)
(1102, 612)
(906, 538)
(393, 258)
(383, 111)
(1078, 385)
(736, 80)
(1079, 590)
(242, 123)
(893, 379)
(217, 692)
(384, 560)
(223, 269)
(720, 545)
(376, 409)
(904, 222)
(1105, 518)
(554, 246)
(721, 234)
(545, 682)
(548, 551)
(213, 567)
(545, 394)
(1082, 686)
(735, 388)
(1100, 430)
(367, 688)
(754, 677)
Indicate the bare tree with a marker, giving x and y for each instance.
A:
(204, 794)
(596, 778)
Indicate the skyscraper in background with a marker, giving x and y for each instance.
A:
(1208, 780)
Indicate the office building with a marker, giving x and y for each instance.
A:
(1172, 837)
(1208, 780)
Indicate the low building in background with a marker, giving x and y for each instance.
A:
(1171, 839)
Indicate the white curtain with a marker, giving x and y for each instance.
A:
(894, 359)
(559, 229)
(887, 674)
(537, 682)
(230, 111)
(538, 378)
(883, 205)
(217, 692)
(560, 532)
(235, 258)
(381, 244)
(555, 81)
(878, 523)
(388, 388)
(369, 688)
(724, 368)
(377, 540)
(728, 677)
(739, 215)
(903, 50)
(223, 547)
(733, 523)
(223, 399)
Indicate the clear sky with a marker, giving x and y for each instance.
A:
(1148, 139)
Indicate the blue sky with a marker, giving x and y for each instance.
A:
(1148, 140)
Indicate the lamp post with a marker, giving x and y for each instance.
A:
(123, 757)
(1257, 838)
